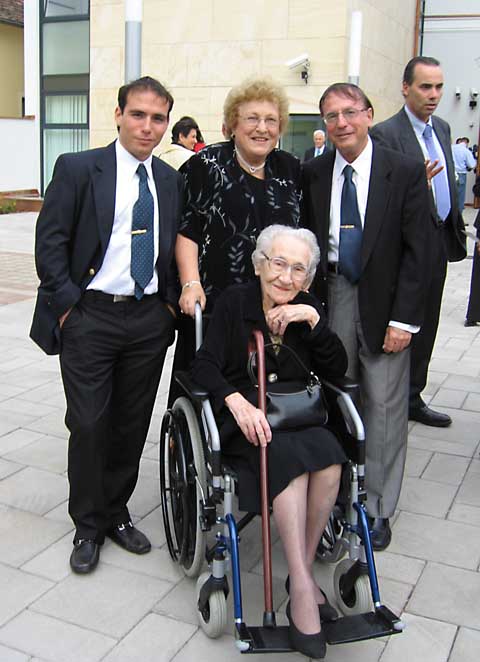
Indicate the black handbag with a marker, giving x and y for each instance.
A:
(291, 404)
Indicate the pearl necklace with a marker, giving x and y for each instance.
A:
(252, 169)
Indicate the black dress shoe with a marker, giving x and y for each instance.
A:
(427, 416)
(84, 557)
(311, 645)
(381, 532)
(470, 323)
(130, 538)
(326, 611)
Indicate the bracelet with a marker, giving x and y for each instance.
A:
(189, 283)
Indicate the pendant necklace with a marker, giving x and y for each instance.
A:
(252, 169)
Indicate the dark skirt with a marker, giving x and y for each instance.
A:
(290, 454)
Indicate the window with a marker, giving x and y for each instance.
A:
(299, 134)
(65, 8)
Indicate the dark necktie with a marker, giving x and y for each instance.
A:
(350, 245)
(141, 266)
(440, 181)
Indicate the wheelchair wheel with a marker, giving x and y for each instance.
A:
(212, 619)
(331, 548)
(358, 599)
(183, 485)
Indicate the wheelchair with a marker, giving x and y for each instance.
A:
(197, 498)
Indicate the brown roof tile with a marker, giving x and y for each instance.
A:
(11, 11)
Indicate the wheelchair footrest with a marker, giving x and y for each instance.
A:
(263, 640)
(379, 623)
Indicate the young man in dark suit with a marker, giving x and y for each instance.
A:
(415, 131)
(104, 252)
(367, 207)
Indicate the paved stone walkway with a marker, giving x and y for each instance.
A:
(142, 608)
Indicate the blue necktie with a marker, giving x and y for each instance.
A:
(350, 245)
(440, 181)
(141, 266)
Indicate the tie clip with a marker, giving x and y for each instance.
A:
(139, 232)
(347, 227)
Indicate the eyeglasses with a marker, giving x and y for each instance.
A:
(253, 121)
(280, 266)
(349, 114)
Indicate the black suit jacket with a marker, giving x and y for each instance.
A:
(73, 231)
(310, 153)
(394, 244)
(397, 133)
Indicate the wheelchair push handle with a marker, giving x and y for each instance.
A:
(257, 343)
(198, 325)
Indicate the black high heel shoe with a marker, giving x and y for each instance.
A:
(326, 611)
(311, 645)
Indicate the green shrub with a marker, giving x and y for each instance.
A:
(7, 206)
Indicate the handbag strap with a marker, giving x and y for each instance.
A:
(311, 376)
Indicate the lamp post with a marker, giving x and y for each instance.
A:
(133, 39)
(355, 48)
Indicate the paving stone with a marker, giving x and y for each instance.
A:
(145, 498)
(152, 527)
(20, 406)
(448, 398)
(157, 563)
(437, 540)
(33, 490)
(53, 640)
(53, 562)
(155, 639)
(464, 428)
(456, 447)
(60, 513)
(400, 568)
(19, 589)
(447, 594)
(461, 512)
(466, 647)
(24, 535)
(149, 468)
(463, 383)
(8, 468)
(467, 366)
(17, 439)
(44, 393)
(416, 461)
(423, 639)
(424, 496)
(202, 649)
(447, 469)
(10, 655)
(469, 491)
(110, 600)
(53, 424)
(472, 402)
(49, 453)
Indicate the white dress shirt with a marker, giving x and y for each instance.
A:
(362, 167)
(419, 127)
(114, 275)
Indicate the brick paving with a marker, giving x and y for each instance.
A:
(142, 608)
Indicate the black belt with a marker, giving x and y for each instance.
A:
(333, 267)
(97, 295)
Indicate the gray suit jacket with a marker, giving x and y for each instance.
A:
(397, 133)
(73, 231)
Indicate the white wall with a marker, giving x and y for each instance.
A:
(456, 43)
(19, 162)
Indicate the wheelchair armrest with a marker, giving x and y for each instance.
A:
(189, 386)
(343, 384)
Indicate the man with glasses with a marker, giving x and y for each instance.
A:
(415, 133)
(367, 206)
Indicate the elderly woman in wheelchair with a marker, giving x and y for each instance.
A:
(304, 461)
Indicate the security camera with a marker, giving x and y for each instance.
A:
(473, 93)
(300, 60)
(458, 92)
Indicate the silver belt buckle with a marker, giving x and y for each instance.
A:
(118, 298)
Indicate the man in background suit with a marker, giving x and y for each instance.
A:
(367, 207)
(319, 146)
(416, 132)
(104, 252)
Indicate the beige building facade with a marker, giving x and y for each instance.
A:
(201, 48)
(11, 70)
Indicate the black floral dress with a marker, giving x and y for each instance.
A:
(226, 209)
